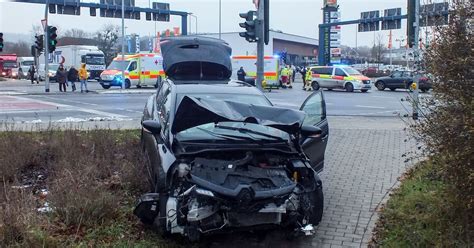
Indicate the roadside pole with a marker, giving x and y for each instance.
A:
(415, 98)
(46, 50)
(123, 42)
(260, 43)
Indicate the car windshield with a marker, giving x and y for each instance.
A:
(242, 98)
(118, 65)
(9, 64)
(236, 131)
(95, 60)
(27, 63)
(351, 71)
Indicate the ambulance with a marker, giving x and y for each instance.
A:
(142, 69)
(249, 63)
(339, 77)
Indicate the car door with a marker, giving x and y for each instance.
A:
(315, 108)
(339, 76)
(133, 73)
(407, 79)
(395, 80)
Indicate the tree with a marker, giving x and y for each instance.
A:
(378, 49)
(76, 33)
(21, 48)
(107, 39)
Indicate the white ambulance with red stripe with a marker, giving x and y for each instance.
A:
(339, 77)
(249, 63)
(142, 69)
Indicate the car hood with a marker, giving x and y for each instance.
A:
(360, 77)
(193, 58)
(193, 112)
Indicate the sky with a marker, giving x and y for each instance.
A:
(300, 17)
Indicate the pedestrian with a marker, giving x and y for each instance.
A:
(61, 78)
(83, 78)
(284, 77)
(309, 78)
(293, 74)
(31, 74)
(303, 75)
(290, 73)
(72, 76)
(241, 74)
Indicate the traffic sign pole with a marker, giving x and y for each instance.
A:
(260, 44)
(46, 50)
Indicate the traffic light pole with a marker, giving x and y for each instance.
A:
(260, 44)
(123, 43)
(46, 50)
(416, 46)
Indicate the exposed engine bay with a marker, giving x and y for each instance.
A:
(239, 190)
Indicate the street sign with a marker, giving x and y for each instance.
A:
(392, 24)
(368, 24)
(434, 14)
(161, 17)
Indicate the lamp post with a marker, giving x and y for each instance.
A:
(196, 22)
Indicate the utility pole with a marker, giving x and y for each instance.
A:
(46, 49)
(417, 60)
(260, 44)
(123, 42)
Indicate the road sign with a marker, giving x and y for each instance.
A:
(434, 14)
(392, 24)
(368, 24)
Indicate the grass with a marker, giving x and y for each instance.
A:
(422, 213)
(93, 179)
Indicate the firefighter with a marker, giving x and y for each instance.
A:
(308, 79)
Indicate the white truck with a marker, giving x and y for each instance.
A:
(75, 55)
(24, 64)
(249, 64)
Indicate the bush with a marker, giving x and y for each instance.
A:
(447, 130)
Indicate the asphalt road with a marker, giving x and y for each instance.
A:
(22, 102)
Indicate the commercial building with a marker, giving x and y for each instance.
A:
(299, 50)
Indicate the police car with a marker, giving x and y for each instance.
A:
(339, 77)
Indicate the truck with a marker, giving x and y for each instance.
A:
(24, 64)
(8, 65)
(249, 63)
(75, 55)
(141, 69)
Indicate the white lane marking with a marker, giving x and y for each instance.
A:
(69, 107)
(72, 101)
(372, 107)
(385, 97)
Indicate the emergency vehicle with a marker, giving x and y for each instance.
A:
(249, 63)
(8, 65)
(140, 70)
(339, 77)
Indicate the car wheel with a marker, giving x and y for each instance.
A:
(364, 91)
(314, 213)
(393, 89)
(349, 87)
(315, 85)
(380, 85)
(160, 224)
(127, 84)
(106, 87)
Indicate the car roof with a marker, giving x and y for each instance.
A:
(223, 87)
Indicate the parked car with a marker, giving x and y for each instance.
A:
(403, 80)
(52, 69)
(220, 156)
(339, 77)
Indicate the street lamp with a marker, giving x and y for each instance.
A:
(196, 22)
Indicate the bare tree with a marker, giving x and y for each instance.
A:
(379, 48)
(107, 39)
(20, 48)
(76, 33)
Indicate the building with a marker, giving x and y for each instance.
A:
(299, 50)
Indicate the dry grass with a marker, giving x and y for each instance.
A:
(93, 179)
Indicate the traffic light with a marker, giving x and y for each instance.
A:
(39, 43)
(52, 38)
(250, 33)
(411, 23)
(1, 42)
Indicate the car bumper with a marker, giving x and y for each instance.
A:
(359, 86)
(110, 83)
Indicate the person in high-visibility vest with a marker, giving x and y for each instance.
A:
(308, 79)
(284, 76)
(290, 73)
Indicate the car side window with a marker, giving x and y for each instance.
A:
(324, 71)
(314, 109)
(133, 66)
(408, 74)
(397, 74)
(340, 72)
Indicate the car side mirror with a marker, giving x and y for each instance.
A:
(311, 131)
(151, 126)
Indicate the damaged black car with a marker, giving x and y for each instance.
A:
(220, 157)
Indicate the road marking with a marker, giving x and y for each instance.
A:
(69, 107)
(372, 107)
(386, 97)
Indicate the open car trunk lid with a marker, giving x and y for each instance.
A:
(196, 58)
(194, 112)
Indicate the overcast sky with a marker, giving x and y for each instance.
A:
(299, 17)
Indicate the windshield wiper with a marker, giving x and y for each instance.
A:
(242, 129)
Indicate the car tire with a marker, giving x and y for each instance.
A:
(349, 87)
(315, 85)
(127, 84)
(160, 224)
(106, 87)
(317, 201)
(380, 85)
(364, 91)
